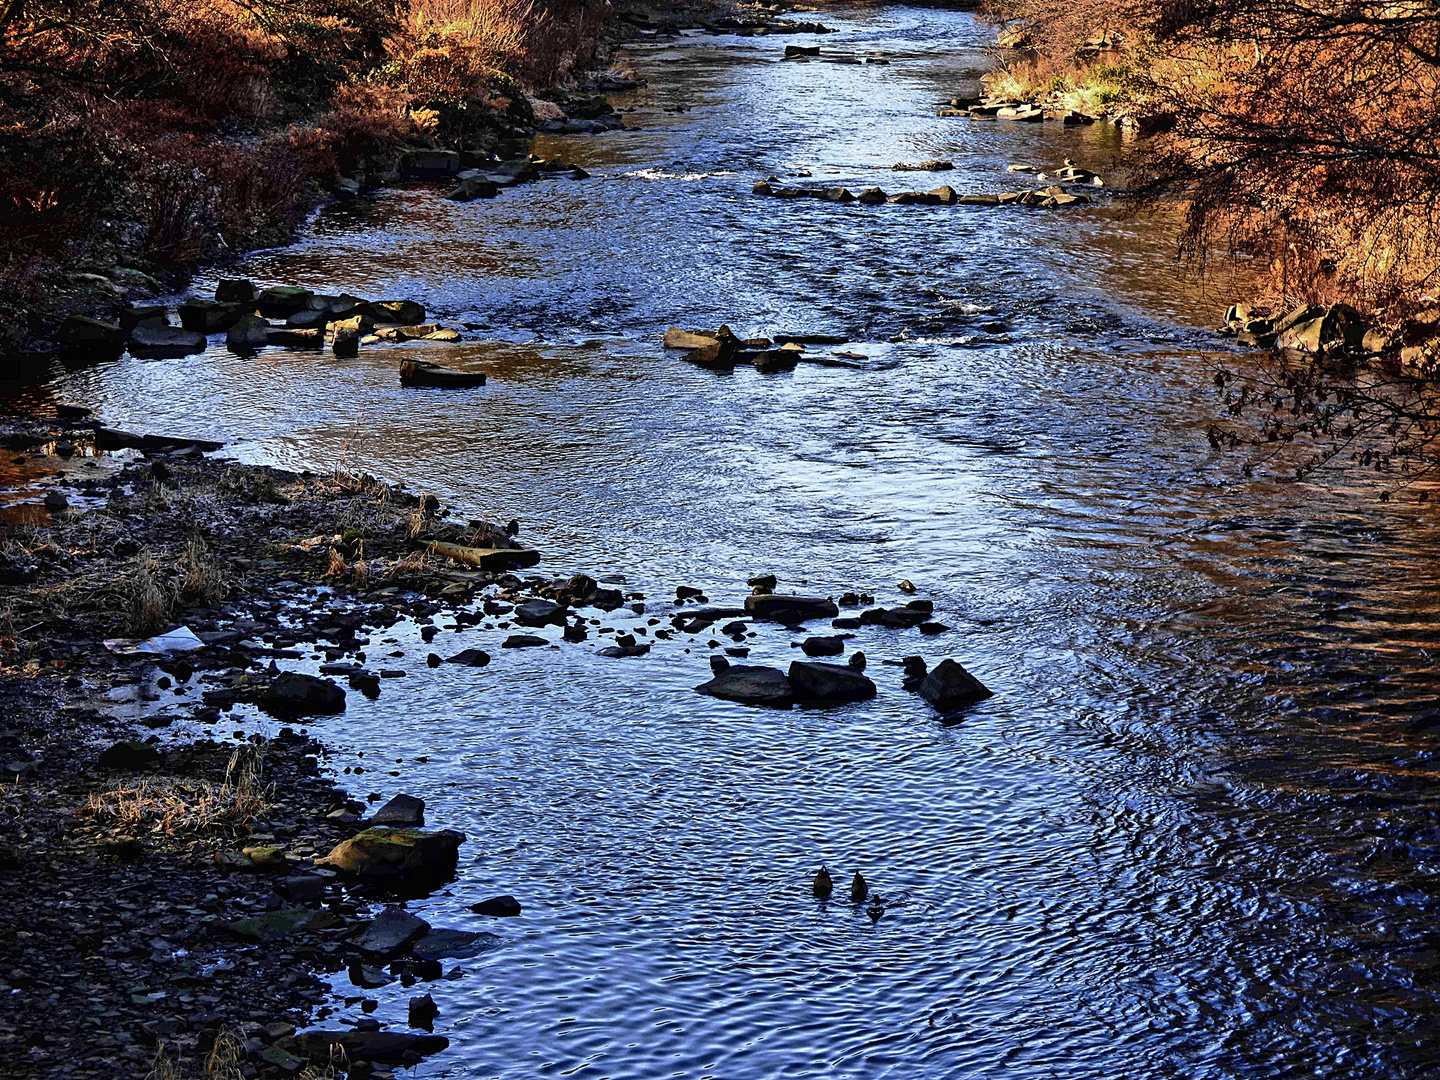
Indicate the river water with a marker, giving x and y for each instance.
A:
(1188, 837)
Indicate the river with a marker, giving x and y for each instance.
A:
(1188, 837)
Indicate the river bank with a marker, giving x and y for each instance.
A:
(162, 909)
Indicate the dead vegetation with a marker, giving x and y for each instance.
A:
(1301, 133)
(195, 129)
(171, 806)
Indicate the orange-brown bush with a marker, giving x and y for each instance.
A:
(207, 120)
(1305, 132)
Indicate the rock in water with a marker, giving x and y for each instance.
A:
(164, 342)
(823, 646)
(390, 931)
(346, 343)
(235, 291)
(469, 658)
(455, 944)
(751, 686)
(423, 1011)
(950, 687)
(403, 810)
(249, 333)
(824, 884)
(497, 907)
(829, 684)
(384, 1046)
(789, 609)
(858, 889)
(296, 694)
(381, 854)
(539, 612)
(675, 338)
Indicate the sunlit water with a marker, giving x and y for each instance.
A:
(1188, 837)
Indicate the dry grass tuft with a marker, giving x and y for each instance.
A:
(145, 595)
(175, 806)
(225, 1061)
(201, 580)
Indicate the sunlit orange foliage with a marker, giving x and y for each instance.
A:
(1303, 131)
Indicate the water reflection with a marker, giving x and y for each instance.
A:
(1190, 835)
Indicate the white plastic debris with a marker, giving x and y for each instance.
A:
(181, 639)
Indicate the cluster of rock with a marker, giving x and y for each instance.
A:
(764, 22)
(1053, 196)
(1069, 173)
(1030, 112)
(721, 350)
(579, 114)
(806, 53)
(815, 683)
(478, 176)
(1309, 329)
(252, 318)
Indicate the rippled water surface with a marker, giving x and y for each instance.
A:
(1189, 836)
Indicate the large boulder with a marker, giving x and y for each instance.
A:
(405, 312)
(751, 686)
(397, 855)
(210, 316)
(950, 687)
(478, 186)
(871, 196)
(790, 609)
(1336, 327)
(829, 684)
(82, 334)
(249, 333)
(823, 646)
(296, 694)
(283, 301)
(402, 810)
(430, 164)
(164, 342)
(235, 291)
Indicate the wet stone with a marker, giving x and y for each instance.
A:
(829, 684)
(823, 646)
(390, 931)
(950, 687)
(403, 810)
(751, 686)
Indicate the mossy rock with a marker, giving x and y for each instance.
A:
(397, 854)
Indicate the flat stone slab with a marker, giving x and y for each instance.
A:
(751, 686)
(455, 944)
(390, 931)
(790, 609)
